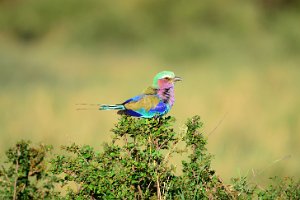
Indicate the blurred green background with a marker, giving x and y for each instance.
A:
(236, 57)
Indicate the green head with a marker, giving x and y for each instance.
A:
(165, 77)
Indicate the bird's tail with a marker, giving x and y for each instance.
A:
(112, 107)
(87, 106)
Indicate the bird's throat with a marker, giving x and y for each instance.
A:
(167, 95)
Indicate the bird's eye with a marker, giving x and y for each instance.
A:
(167, 78)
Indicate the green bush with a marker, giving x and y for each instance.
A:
(134, 165)
(25, 174)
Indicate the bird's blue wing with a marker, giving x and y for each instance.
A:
(132, 112)
(161, 108)
(146, 106)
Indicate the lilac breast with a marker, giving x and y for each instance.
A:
(167, 95)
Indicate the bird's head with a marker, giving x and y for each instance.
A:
(165, 79)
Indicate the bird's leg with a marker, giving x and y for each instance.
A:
(156, 117)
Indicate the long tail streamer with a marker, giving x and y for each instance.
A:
(90, 106)
(112, 107)
(87, 106)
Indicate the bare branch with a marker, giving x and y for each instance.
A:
(16, 179)
(209, 134)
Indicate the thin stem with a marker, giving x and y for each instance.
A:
(158, 189)
(209, 134)
(5, 174)
(16, 179)
(140, 191)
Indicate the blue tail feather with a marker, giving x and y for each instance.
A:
(112, 107)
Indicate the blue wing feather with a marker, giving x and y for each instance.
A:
(160, 109)
(132, 113)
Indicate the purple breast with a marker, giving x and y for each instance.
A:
(167, 95)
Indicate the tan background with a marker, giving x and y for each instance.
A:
(236, 58)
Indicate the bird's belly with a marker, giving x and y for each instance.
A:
(155, 113)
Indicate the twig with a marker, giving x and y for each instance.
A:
(149, 185)
(269, 166)
(166, 187)
(126, 143)
(225, 187)
(158, 188)
(166, 159)
(218, 124)
(140, 191)
(160, 146)
(5, 174)
(79, 186)
(16, 179)
(77, 150)
(175, 143)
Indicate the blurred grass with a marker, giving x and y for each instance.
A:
(240, 58)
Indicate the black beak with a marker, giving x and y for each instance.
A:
(177, 78)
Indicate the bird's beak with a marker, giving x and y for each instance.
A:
(177, 78)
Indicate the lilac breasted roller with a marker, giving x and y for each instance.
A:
(155, 101)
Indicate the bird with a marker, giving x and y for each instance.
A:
(154, 101)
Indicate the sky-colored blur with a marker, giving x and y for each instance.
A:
(238, 59)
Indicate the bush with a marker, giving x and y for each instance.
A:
(26, 175)
(135, 165)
